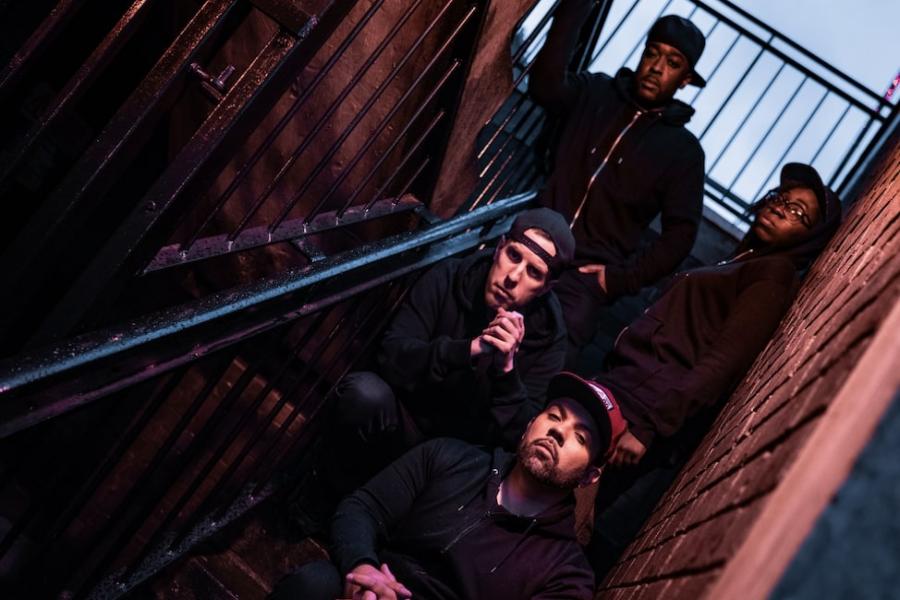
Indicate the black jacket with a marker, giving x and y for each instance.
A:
(696, 342)
(424, 355)
(433, 517)
(656, 168)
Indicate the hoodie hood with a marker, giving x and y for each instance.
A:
(543, 315)
(675, 112)
(803, 253)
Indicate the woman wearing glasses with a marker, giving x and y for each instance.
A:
(670, 367)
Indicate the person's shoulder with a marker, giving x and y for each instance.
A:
(453, 454)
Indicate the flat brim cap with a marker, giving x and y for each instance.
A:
(680, 33)
(799, 173)
(597, 400)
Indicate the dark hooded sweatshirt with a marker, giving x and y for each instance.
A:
(649, 164)
(696, 342)
(433, 517)
(425, 356)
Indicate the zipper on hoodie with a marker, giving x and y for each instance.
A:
(602, 164)
(466, 531)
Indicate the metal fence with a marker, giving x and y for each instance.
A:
(768, 101)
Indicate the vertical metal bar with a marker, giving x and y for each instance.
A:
(270, 138)
(359, 187)
(378, 194)
(789, 146)
(756, 103)
(856, 143)
(199, 477)
(81, 580)
(517, 168)
(412, 179)
(323, 163)
(75, 87)
(736, 87)
(320, 124)
(510, 135)
(715, 69)
(599, 20)
(613, 33)
(767, 134)
(830, 133)
(372, 137)
(525, 146)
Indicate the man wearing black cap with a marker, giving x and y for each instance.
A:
(623, 157)
(469, 353)
(450, 520)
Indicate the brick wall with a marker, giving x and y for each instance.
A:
(701, 522)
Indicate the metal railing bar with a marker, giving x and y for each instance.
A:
(516, 153)
(86, 491)
(798, 65)
(255, 237)
(271, 136)
(594, 35)
(288, 455)
(74, 88)
(288, 395)
(830, 134)
(349, 87)
(719, 62)
(596, 55)
(372, 172)
(747, 116)
(373, 136)
(512, 173)
(510, 114)
(769, 131)
(740, 205)
(798, 48)
(326, 159)
(173, 324)
(37, 43)
(200, 476)
(793, 141)
(135, 494)
(526, 43)
(863, 131)
(412, 179)
(510, 135)
(736, 87)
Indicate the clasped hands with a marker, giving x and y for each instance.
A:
(365, 582)
(501, 337)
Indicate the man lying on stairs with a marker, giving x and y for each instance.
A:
(451, 520)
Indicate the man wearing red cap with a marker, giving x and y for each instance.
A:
(450, 520)
(623, 158)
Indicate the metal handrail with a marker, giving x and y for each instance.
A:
(223, 319)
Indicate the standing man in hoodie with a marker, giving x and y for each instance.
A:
(623, 157)
(469, 354)
(449, 520)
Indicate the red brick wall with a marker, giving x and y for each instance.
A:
(706, 515)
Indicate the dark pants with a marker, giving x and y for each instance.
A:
(318, 580)
(369, 429)
(583, 303)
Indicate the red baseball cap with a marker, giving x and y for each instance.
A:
(599, 402)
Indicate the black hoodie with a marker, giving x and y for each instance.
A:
(655, 168)
(696, 342)
(433, 517)
(425, 356)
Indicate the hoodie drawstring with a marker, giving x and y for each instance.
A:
(516, 547)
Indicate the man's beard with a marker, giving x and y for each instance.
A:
(544, 469)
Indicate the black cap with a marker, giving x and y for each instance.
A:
(680, 33)
(806, 176)
(554, 225)
(598, 401)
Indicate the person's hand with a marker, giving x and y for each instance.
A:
(629, 451)
(505, 333)
(365, 582)
(600, 270)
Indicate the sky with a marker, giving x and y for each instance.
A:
(773, 113)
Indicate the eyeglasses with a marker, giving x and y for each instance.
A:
(795, 211)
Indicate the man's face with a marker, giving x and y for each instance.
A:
(662, 71)
(518, 275)
(787, 217)
(558, 447)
